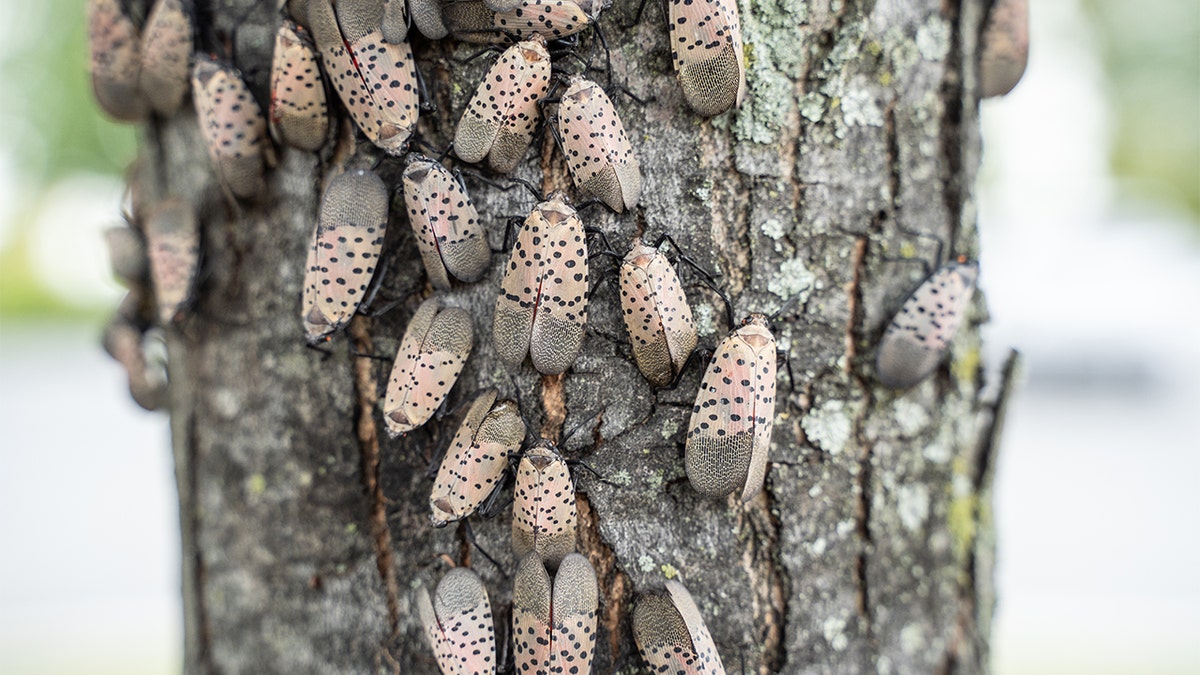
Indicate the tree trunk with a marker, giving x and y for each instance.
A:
(305, 529)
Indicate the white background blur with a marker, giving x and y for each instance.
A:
(1096, 280)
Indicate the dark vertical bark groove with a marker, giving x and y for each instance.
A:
(305, 528)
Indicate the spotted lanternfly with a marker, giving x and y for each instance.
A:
(388, 70)
(917, 338)
(449, 235)
(706, 46)
(458, 624)
(299, 113)
(474, 21)
(1004, 47)
(234, 128)
(115, 61)
(499, 121)
(173, 247)
(543, 505)
(477, 459)
(554, 630)
(598, 152)
(395, 21)
(542, 306)
(389, 131)
(344, 251)
(502, 5)
(166, 50)
(431, 357)
(671, 635)
(427, 17)
(657, 314)
(729, 434)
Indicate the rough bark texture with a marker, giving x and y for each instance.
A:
(305, 528)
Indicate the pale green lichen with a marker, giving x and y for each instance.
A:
(655, 480)
(834, 632)
(910, 416)
(793, 279)
(829, 426)
(861, 109)
(703, 315)
(669, 571)
(256, 485)
(773, 228)
(669, 428)
(621, 478)
(812, 106)
(351, 528)
(933, 39)
(912, 504)
(646, 563)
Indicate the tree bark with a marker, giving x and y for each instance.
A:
(305, 528)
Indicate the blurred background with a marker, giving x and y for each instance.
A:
(1089, 206)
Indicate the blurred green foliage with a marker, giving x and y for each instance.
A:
(53, 129)
(61, 129)
(1150, 51)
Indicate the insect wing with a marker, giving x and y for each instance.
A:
(464, 616)
(395, 20)
(561, 313)
(498, 122)
(427, 17)
(544, 506)
(598, 152)
(345, 251)
(657, 315)
(234, 128)
(531, 615)
(443, 652)
(299, 112)
(447, 500)
(115, 61)
(445, 222)
(575, 601)
(173, 247)
(709, 661)
(166, 49)
(662, 636)
(431, 357)
(730, 427)
(348, 82)
(512, 322)
(474, 21)
(918, 336)
(706, 47)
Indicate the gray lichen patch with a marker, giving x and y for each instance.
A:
(829, 426)
(793, 279)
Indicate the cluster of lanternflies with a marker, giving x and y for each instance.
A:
(541, 310)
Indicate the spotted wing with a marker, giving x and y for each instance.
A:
(233, 126)
(531, 616)
(575, 602)
(349, 239)
(561, 312)
(166, 49)
(721, 433)
(299, 113)
(674, 310)
(643, 320)
(449, 501)
(662, 636)
(173, 249)
(707, 658)
(465, 617)
(706, 47)
(428, 375)
(598, 152)
(115, 60)
(917, 338)
(514, 314)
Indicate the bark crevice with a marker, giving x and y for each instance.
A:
(367, 432)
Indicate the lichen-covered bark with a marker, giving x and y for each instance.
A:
(305, 528)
